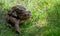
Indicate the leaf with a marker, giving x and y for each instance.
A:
(1, 4)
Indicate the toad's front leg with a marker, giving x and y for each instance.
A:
(17, 27)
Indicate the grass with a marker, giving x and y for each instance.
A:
(45, 20)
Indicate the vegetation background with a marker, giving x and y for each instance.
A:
(45, 19)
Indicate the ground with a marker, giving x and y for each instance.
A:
(45, 20)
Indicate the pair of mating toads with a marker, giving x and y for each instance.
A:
(17, 15)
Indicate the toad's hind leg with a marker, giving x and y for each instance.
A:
(9, 25)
